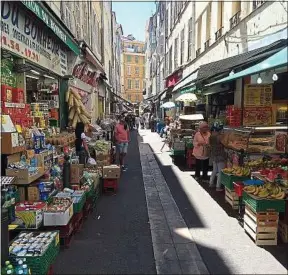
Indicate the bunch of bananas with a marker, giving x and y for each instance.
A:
(268, 191)
(237, 171)
(28, 218)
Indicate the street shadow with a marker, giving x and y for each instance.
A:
(210, 256)
(212, 259)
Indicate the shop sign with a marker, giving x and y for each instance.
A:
(257, 116)
(52, 23)
(174, 78)
(258, 95)
(26, 36)
(82, 72)
(188, 90)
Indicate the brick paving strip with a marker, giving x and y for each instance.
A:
(175, 251)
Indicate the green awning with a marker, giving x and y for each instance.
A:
(54, 24)
(277, 60)
(188, 89)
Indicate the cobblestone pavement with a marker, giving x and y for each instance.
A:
(214, 236)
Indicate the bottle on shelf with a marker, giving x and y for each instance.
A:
(25, 269)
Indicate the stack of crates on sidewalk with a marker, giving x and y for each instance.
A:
(231, 196)
(283, 224)
(111, 176)
(261, 219)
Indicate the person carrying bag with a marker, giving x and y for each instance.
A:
(201, 151)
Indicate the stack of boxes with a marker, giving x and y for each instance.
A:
(233, 116)
(111, 176)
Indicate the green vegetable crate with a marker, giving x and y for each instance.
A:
(77, 207)
(41, 264)
(263, 205)
(228, 180)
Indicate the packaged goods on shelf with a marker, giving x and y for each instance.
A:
(31, 244)
(29, 214)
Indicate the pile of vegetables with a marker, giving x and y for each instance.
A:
(77, 111)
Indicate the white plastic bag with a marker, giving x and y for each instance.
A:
(91, 161)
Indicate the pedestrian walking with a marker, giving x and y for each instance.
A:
(142, 122)
(122, 138)
(201, 151)
(137, 122)
(81, 140)
(217, 155)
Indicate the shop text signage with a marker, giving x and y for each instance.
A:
(27, 37)
(46, 17)
(258, 95)
(257, 116)
(82, 72)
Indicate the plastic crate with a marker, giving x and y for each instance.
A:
(177, 153)
(262, 205)
(238, 188)
(228, 180)
(41, 264)
(77, 207)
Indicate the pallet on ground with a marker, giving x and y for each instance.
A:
(283, 231)
(262, 227)
(231, 198)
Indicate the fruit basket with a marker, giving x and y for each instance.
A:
(261, 204)
(228, 180)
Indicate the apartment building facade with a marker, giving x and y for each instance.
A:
(133, 69)
(198, 33)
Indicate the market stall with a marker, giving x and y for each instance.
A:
(46, 194)
(256, 180)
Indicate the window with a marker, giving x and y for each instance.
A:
(176, 53)
(137, 70)
(257, 3)
(166, 22)
(190, 38)
(128, 70)
(129, 58)
(136, 59)
(129, 84)
(199, 28)
(220, 16)
(236, 10)
(137, 84)
(170, 60)
(182, 38)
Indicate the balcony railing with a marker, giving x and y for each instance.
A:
(218, 34)
(206, 44)
(234, 20)
(257, 4)
(198, 52)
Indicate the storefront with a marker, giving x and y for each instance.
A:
(34, 52)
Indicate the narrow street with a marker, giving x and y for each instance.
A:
(191, 235)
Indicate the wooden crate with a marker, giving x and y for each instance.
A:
(262, 227)
(283, 231)
(231, 198)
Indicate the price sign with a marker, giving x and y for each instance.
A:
(258, 95)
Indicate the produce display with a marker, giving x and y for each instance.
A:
(58, 205)
(237, 171)
(31, 244)
(77, 111)
(267, 190)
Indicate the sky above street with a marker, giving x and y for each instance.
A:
(133, 16)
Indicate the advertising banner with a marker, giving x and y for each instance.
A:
(26, 36)
(258, 95)
(257, 116)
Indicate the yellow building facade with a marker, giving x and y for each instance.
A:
(133, 70)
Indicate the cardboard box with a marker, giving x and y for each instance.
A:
(9, 144)
(33, 193)
(103, 163)
(76, 171)
(31, 219)
(23, 176)
(111, 172)
(102, 156)
(58, 218)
